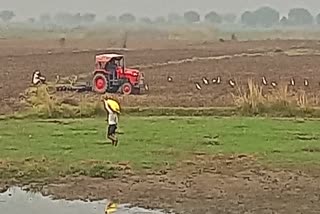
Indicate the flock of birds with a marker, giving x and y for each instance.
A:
(232, 82)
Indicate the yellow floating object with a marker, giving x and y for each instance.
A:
(113, 105)
(111, 208)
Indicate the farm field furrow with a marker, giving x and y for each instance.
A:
(182, 91)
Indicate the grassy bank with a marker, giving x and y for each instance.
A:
(47, 148)
(249, 100)
(176, 112)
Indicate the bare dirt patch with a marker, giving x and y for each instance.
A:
(215, 184)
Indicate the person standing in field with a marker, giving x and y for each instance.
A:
(113, 110)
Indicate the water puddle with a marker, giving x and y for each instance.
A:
(15, 201)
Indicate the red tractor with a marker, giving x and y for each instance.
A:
(110, 75)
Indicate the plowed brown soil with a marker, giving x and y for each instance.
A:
(19, 59)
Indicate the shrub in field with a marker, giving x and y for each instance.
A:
(41, 101)
(45, 104)
(252, 99)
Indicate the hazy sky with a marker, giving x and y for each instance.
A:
(32, 8)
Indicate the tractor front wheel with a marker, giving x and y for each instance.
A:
(100, 83)
(126, 88)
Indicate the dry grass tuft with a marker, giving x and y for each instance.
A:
(41, 101)
(255, 99)
(45, 104)
(249, 99)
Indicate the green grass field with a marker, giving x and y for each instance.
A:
(42, 148)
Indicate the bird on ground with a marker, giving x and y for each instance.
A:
(198, 86)
(264, 81)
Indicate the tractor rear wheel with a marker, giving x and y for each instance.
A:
(126, 88)
(100, 83)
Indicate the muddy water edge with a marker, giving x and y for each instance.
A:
(16, 200)
(215, 184)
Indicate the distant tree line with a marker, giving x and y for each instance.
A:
(59, 18)
(187, 17)
(268, 17)
(261, 17)
(68, 18)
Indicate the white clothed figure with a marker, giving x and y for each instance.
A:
(112, 116)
